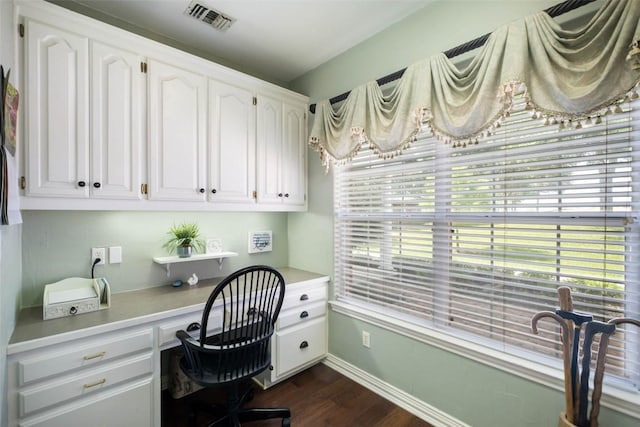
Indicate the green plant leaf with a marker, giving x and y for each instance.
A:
(185, 234)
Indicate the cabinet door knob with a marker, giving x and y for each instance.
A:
(193, 327)
(304, 297)
(81, 183)
(201, 190)
(304, 344)
(279, 194)
(214, 191)
(286, 194)
(96, 184)
(304, 314)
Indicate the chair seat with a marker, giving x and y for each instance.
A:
(209, 376)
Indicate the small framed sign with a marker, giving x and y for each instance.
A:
(260, 241)
(214, 246)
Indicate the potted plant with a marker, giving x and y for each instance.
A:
(184, 238)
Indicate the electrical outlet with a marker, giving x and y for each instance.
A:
(98, 253)
(366, 339)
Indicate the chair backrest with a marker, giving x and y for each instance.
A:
(248, 303)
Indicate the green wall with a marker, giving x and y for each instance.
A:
(57, 244)
(477, 394)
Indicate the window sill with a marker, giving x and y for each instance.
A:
(624, 401)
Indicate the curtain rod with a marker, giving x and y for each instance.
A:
(553, 11)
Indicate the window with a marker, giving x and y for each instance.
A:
(474, 241)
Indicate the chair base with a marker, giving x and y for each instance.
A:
(234, 414)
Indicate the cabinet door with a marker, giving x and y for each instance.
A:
(232, 131)
(116, 122)
(177, 114)
(293, 166)
(57, 131)
(269, 150)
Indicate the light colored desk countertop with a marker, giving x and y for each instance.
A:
(127, 309)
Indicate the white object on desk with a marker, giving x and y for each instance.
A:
(193, 280)
(75, 295)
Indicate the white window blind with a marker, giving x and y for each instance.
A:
(475, 241)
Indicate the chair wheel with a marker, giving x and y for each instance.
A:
(286, 422)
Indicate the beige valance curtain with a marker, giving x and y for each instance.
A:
(566, 75)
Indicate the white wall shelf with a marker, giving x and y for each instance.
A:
(168, 260)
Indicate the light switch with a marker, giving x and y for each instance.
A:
(115, 254)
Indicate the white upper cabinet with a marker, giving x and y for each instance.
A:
(293, 167)
(269, 149)
(282, 131)
(65, 158)
(232, 143)
(117, 122)
(57, 106)
(177, 138)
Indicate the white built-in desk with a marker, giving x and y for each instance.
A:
(103, 368)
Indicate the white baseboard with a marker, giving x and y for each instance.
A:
(393, 394)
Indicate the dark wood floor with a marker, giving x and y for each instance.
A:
(317, 397)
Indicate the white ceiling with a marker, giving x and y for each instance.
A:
(276, 39)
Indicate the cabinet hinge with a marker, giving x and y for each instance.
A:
(22, 183)
(21, 30)
(255, 194)
(255, 101)
(144, 189)
(143, 67)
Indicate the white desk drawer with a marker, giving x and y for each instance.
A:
(167, 330)
(93, 353)
(298, 346)
(300, 297)
(301, 314)
(129, 405)
(89, 382)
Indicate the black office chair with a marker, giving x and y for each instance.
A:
(248, 302)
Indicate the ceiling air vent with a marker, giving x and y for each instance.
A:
(204, 13)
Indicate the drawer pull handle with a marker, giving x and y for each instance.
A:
(304, 297)
(193, 327)
(304, 314)
(304, 344)
(95, 356)
(95, 384)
